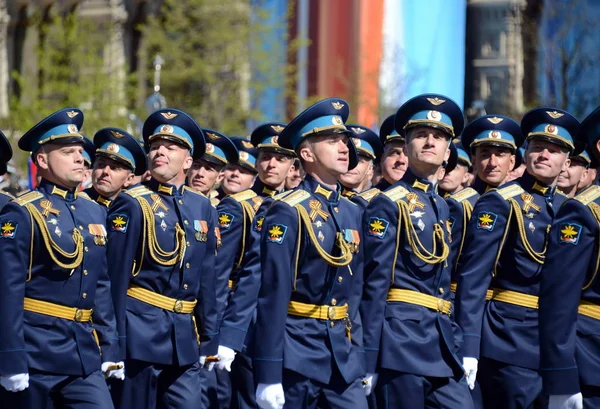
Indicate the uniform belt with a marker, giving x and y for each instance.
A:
(515, 297)
(320, 312)
(417, 298)
(161, 301)
(589, 309)
(56, 310)
(488, 294)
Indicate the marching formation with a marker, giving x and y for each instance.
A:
(315, 264)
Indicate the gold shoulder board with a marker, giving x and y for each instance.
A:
(298, 196)
(138, 191)
(588, 195)
(189, 189)
(369, 194)
(464, 194)
(510, 191)
(28, 197)
(245, 195)
(396, 193)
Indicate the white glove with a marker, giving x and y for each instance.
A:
(118, 373)
(226, 356)
(15, 382)
(203, 364)
(270, 396)
(566, 401)
(369, 383)
(470, 366)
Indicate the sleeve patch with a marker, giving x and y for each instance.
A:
(378, 227)
(119, 222)
(9, 229)
(258, 222)
(225, 220)
(568, 233)
(486, 221)
(276, 233)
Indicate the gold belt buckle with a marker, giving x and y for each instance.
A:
(178, 306)
(78, 315)
(331, 313)
(440, 305)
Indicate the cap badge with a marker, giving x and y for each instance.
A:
(495, 135)
(357, 130)
(551, 129)
(337, 120)
(168, 115)
(495, 120)
(166, 129)
(554, 114)
(116, 134)
(113, 147)
(72, 128)
(436, 101)
(337, 105)
(210, 148)
(434, 115)
(277, 128)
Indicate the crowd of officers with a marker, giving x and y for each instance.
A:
(432, 265)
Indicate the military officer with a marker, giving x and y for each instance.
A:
(239, 176)
(206, 170)
(408, 338)
(89, 151)
(273, 164)
(118, 159)
(569, 301)
(295, 176)
(569, 179)
(504, 251)
(162, 242)
(369, 150)
(54, 281)
(394, 161)
(589, 175)
(309, 251)
(5, 156)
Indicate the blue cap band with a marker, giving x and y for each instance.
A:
(494, 136)
(58, 132)
(431, 118)
(364, 148)
(173, 132)
(318, 125)
(554, 132)
(118, 152)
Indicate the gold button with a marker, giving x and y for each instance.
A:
(335, 209)
(187, 265)
(85, 272)
(340, 278)
(331, 324)
(80, 227)
(178, 306)
(72, 207)
(187, 243)
(441, 290)
(84, 295)
(185, 222)
(86, 249)
(180, 201)
(185, 286)
(333, 301)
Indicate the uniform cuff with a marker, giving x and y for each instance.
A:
(268, 371)
(560, 381)
(232, 337)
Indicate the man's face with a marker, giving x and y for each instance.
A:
(294, 177)
(110, 176)
(545, 160)
(63, 163)
(492, 163)
(237, 179)
(394, 161)
(327, 154)
(427, 147)
(203, 176)
(273, 168)
(570, 177)
(168, 161)
(588, 177)
(456, 179)
(355, 177)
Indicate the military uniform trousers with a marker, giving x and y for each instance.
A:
(56, 391)
(155, 386)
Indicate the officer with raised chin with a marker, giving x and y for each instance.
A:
(394, 161)
(118, 159)
(59, 340)
(162, 243)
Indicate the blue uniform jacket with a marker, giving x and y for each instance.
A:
(4, 198)
(400, 336)
(146, 332)
(504, 249)
(293, 270)
(37, 341)
(98, 198)
(570, 342)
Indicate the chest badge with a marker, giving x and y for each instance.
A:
(47, 208)
(414, 202)
(316, 210)
(528, 203)
(201, 228)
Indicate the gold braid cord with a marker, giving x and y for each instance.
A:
(162, 257)
(596, 212)
(249, 214)
(538, 257)
(345, 256)
(415, 244)
(75, 258)
(467, 212)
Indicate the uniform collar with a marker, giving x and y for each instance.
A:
(481, 187)
(53, 189)
(383, 185)
(346, 192)
(531, 184)
(94, 195)
(418, 183)
(312, 185)
(262, 189)
(164, 188)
